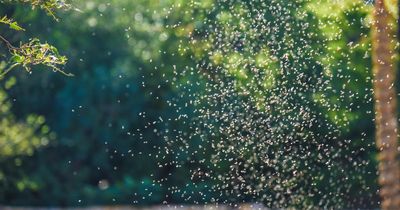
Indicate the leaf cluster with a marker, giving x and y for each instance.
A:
(50, 6)
(11, 23)
(34, 52)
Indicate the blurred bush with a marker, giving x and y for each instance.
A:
(124, 53)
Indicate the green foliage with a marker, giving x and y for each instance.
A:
(13, 24)
(35, 53)
(318, 62)
(20, 138)
(123, 52)
(50, 6)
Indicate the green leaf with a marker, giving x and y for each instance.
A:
(17, 59)
(15, 26)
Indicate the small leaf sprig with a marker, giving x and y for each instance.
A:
(11, 23)
(50, 6)
(34, 53)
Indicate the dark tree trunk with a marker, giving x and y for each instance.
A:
(384, 72)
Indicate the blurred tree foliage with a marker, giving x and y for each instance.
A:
(123, 54)
(97, 157)
(318, 54)
(20, 137)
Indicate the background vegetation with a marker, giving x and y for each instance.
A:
(68, 141)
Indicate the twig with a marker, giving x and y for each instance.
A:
(9, 45)
(8, 70)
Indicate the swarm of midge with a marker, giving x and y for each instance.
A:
(268, 77)
(268, 104)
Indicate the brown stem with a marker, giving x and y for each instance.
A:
(8, 44)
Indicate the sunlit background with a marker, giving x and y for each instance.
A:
(192, 102)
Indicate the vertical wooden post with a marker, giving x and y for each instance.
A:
(384, 72)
